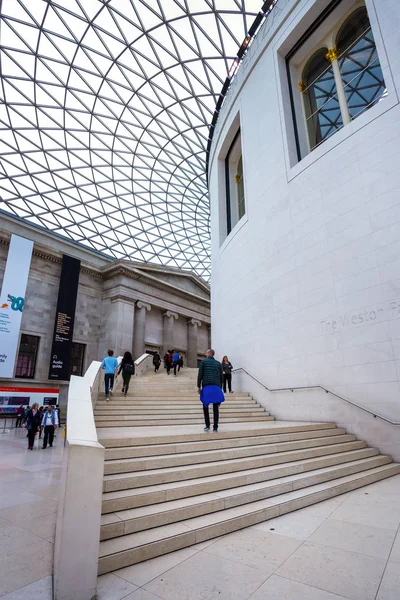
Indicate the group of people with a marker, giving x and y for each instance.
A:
(172, 359)
(43, 420)
(213, 378)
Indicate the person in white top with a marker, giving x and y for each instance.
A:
(50, 424)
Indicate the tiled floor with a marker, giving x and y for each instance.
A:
(346, 548)
(28, 503)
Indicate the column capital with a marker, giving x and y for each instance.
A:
(332, 54)
(194, 322)
(141, 304)
(170, 314)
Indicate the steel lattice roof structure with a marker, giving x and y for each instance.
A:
(105, 110)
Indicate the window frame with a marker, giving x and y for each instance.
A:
(35, 355)
(82, 358)
(237, 139)
(294, 72)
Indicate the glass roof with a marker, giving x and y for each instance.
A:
(105, 109)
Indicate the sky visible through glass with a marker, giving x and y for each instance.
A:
(105, 108)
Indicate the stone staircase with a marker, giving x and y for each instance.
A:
(169, 485)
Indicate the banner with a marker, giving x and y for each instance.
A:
(65, 316)
(12, 397)
(12, 301)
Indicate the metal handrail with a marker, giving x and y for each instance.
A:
(319, 387)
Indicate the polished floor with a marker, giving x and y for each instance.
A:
(346, 548)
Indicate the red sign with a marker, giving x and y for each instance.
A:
(33, 390)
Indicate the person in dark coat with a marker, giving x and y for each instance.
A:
(167, 361)
(20, 415)
(127, 367)
(33, 424)
(41, 410)
(209, 384)
(227, 374)
(156, 361)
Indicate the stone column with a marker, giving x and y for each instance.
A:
(209, 337)
(116, 331)
(332, 56)
(168, 331)
(139, 328)
(192, 325)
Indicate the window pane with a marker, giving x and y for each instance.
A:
(26, 361)
(320, 99)
(359, 63)
(240, 189)
(234, 176)
(77, 359)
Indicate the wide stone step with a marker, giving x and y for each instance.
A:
(175, 421)
(175, 404)
(147, 517)
(216, 444)
(162, 396)
(127, 465)
(132, 480)
(145, 496)
(136, 547)
(166, 436)
(131, 415)
(111, 408)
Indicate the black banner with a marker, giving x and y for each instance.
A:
(65, 315)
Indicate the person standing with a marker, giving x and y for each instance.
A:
(110, 366)
(167, 361)
(41, 410)
(32, 424)
(50, 424)
(127, 367)
(180, 363)
(20, 416)
(227, 374)
(156, 361)
(209, 383)
(175, 361)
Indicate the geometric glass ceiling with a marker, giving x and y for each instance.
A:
(105, 108)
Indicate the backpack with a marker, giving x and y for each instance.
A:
(128, 368)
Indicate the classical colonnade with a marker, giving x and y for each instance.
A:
(125, 311)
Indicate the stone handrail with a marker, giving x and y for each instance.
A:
(143, 364)
(76, 548)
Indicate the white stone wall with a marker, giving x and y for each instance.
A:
(306, 289)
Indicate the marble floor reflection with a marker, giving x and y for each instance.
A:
(29, 483)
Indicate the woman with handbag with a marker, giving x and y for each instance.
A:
(127, 367)
(33, 422)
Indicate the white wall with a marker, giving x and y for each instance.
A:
(306, 289)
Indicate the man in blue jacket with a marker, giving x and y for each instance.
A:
(110, 366)
(175, 360)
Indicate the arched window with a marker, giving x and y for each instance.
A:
(359, 63)
(320, 98)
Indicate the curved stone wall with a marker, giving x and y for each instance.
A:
(306, 287)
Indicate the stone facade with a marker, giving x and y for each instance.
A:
(120, 304)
